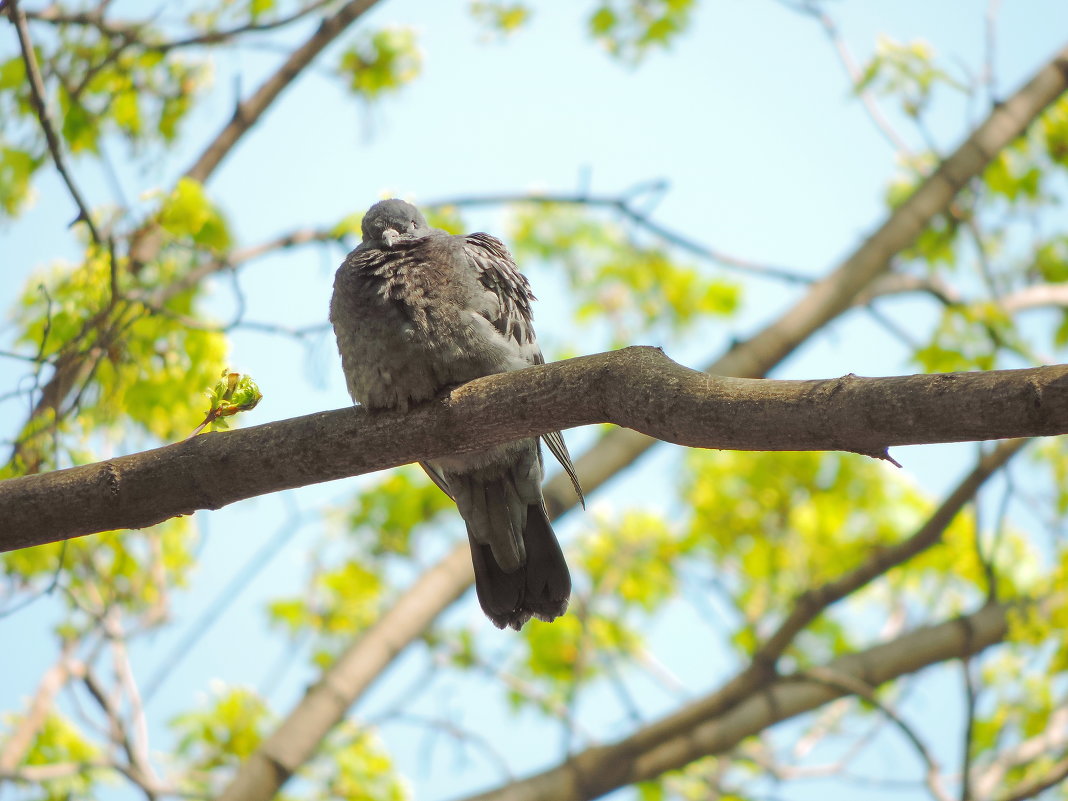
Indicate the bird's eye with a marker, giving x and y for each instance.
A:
(413, 223)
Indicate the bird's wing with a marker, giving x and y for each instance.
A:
(497, 272)
(513, 317)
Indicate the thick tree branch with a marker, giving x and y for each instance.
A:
(637, 387)
(669, 744)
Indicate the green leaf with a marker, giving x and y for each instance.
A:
(226, 730)
(355, 766)
(187, 209)
(80, 129)
(637, 288)
(188, 212)
(126, 112)
(12, 73)
(603, 21)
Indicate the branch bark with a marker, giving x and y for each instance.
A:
(637, 387)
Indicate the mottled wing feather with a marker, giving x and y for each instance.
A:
(497, 271)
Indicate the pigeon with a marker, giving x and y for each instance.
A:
(417, 311)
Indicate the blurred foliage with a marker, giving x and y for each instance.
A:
(629, 29)
(381, 62)
(133, 92)
(213, 740)
(501, 16)
(635, 288)
(131, 571)
(908, 73)
(353, 764)
(379, 534)
(139, 372)
(58, 741)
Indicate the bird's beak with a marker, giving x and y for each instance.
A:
(389, 236)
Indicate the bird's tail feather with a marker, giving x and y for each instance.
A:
(494, 514)
(537, 588)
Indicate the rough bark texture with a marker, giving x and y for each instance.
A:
(638, 387)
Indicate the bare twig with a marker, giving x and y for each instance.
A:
(624, 205)
(15, 608)
(1053, 776)
(37, 93)
(990, 23)
(237, 584)
(462, 736)
(971, 699)
(990, 778)
(864, 691)
(132, 32)
(871, 105)
(249, 111)
(139, 760)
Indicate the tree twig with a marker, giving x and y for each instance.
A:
(623, 204)
(861, 689)
(248, 112)
(37, 93)
(718, 722)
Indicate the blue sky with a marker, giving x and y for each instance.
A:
(750, 120)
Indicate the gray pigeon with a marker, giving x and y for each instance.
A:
(417, 311)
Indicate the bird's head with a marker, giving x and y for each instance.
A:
(388, 221)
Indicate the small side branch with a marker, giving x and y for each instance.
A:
(37, 93)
